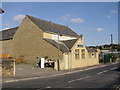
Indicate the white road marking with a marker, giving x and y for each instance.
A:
(85, 69)
(79, 79)
(118, 88)
(102, 72)
(48, 87)
(114, 68)
(56, 74)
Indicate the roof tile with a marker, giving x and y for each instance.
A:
(52, 27)
(63, 48)
(8, 34)
(70, 43)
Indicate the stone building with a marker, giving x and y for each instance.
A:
(36, 37)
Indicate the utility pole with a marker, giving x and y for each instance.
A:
(111, 43)
(58, 55)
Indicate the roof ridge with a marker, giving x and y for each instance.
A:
(46, 21)
(65, 45)
(69, 40)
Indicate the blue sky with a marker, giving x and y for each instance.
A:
(95, 20)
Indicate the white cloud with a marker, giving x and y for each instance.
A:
(5, 28)
(114, 11)
(99, 29)
(108, 16)
(65, 17)
(70, 18)
(18, 18)
(90, 28)
(6, 24)
(77, 20)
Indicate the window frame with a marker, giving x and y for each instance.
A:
(77, 54)
(82, 53)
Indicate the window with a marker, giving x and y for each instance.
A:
(83, 53)
(77, 55)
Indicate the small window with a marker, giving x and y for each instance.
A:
(77, 55)
(83, 53)
(93, 55)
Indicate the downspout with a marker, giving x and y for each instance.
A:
(71, 60)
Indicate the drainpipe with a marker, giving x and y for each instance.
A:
(71, 60)
(58, 65)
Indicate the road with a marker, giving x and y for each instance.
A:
(103, 77)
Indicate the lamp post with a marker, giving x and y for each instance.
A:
(58, 53)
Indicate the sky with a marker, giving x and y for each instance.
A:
(95, 20)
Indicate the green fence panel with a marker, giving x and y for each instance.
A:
(107, 58)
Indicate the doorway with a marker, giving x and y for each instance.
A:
(66, 61)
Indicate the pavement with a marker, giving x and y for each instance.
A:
(28, 72)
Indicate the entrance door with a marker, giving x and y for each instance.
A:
(66, 61)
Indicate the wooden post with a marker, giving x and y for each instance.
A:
(14, 68)
(58, 65)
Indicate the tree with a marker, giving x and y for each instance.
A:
(100, 47)
(118, 49)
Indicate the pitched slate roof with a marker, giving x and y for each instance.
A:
(90, 49)
(62, 47)
(70, 43)
(8, 33)
(48, 26)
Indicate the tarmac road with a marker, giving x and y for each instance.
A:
(103, 77)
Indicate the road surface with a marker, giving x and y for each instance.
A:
(103, 77)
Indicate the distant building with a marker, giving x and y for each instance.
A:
(35, 37)
(105, 51)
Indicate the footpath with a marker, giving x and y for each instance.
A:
(28, 72)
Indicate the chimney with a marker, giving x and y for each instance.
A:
(81, 36)
(111, 39)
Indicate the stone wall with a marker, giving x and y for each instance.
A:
(28, 42)
(8, 68)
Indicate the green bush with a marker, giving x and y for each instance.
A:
(113, 57)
